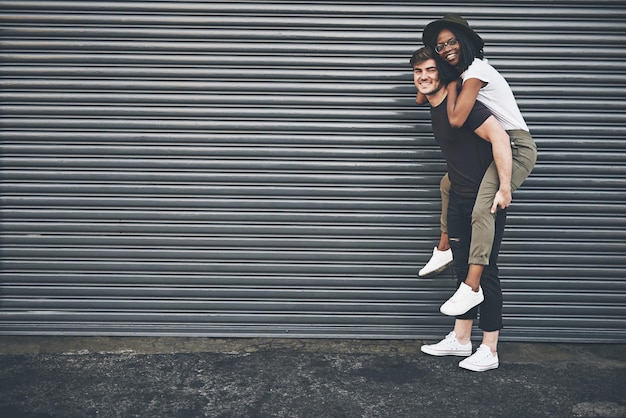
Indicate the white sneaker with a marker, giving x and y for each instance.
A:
(438, 262)
(462, 301)
(449, 346)
(481, 360)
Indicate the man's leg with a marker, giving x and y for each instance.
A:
(463, 330)
(483, 231)
(458, 342)
(486, 357)
(491, 308)
(464, 300)
(490, 339)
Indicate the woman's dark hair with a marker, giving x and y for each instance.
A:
(449, 73)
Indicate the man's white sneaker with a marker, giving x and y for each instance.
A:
(438, 262)
(481, 360)
(462, 301)
(449, 346)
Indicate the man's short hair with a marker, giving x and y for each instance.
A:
(423, 54)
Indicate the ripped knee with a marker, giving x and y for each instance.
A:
(459, 246)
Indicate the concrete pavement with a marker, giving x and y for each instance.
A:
(212, 377)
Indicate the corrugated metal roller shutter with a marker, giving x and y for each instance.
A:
(257, 168)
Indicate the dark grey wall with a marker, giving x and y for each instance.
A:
(257, 168)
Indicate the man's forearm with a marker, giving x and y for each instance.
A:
(492, 131)
(503, 159)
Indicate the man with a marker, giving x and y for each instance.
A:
(468, 156)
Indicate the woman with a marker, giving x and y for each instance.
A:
(459, 53)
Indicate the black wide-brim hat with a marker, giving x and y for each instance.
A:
(450, 21)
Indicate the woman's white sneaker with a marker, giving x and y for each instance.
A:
(449, 346)
(438, 262)
(462, 301)
(483, 359)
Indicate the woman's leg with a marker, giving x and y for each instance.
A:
(442, 254)
(524, 157)
(444, 190)
(524, 152)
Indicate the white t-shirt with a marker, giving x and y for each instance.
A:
(496, 95)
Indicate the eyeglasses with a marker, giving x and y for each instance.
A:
(440, 47)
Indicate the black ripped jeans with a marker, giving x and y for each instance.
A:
(460, 234)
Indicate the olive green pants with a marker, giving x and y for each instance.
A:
(524, 152)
